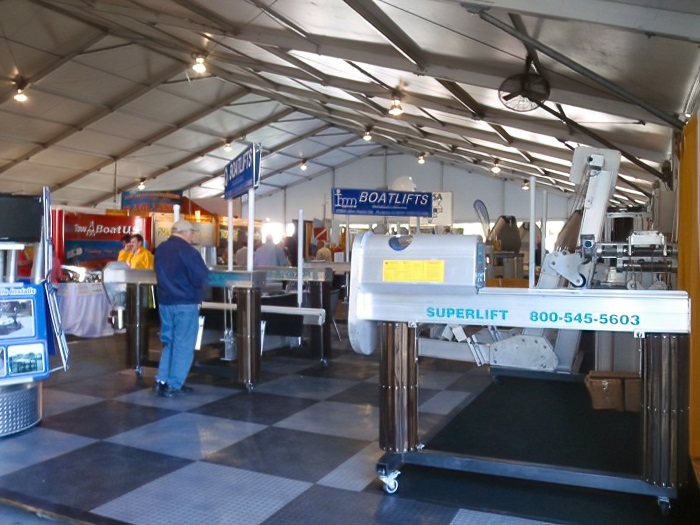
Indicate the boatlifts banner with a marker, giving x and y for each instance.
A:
(243, 172)
(382, 202)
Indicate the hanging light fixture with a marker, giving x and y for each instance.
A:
(21, 84)
(421, 158)
(495, 168)
(395, 110)
(199, 66)
(142, 184)
(227, 146)
(303, 166)
(367, 136)
(526, 185)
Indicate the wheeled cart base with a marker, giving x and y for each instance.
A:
(662, 424)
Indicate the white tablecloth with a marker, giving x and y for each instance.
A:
(84, 309)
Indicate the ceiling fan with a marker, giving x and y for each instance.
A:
(525, 91)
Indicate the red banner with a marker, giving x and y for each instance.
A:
(94, 240)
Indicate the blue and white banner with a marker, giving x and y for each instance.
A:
(382, 202)
(242, 173)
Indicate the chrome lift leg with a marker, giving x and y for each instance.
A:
(398, 399)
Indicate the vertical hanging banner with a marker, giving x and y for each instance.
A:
(242, 173)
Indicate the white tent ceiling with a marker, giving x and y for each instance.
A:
(112, 97)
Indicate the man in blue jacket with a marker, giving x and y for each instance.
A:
(181, 275)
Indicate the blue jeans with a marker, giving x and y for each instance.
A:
(179, 324)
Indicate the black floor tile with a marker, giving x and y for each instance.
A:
(289, 453)
(91, 476)
(105, 419)
(361, 394)
(350, 508)
(257, 407)
(471, 383)
(108, 386)
(336, 370)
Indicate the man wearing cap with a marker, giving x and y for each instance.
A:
(181, 275)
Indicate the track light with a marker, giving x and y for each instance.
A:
(303, 166)
(367, 136)
(495, 168)
(21, 84)
(395, 110)
(227, 146)
(199, 66)
(142, 185)
(421, 158)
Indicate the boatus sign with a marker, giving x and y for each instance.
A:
(242, 173)
(382, 202)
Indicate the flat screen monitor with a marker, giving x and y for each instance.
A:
(20, 218)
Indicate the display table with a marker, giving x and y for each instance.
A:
(84, 309)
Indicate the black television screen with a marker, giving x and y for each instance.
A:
(20, 218)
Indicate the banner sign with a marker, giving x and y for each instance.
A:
(382, 202)
(94, 240)
(151, 201)
(242, 173)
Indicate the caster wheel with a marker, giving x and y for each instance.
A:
(139, 372)
(664, 506)
(391, 486)
(249, 387)
(324, 362)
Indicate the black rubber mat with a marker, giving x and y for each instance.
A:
(548, 422)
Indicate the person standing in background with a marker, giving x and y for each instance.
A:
(125, 252)
(181, 276)
(269, 254)
(141, 258)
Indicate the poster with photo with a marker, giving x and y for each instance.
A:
(17, 319)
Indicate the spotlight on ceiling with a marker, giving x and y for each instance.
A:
(227, 146)
(526, 185)
(199, 66)
(421, 158)
(395, 110)
(142, 184)
(367, 136)
(495, 168)
(303, 166)
(21, 84)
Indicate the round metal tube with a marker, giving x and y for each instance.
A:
(248, 336)
(136, 325)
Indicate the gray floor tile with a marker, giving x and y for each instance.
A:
(289, 453)
(444, 402)
(357, 472)
(56, 401)
(190, 436)
(436, 379)
(472, 517)
(202, 395)
(36, 445)
(205, 494)
(337, 419)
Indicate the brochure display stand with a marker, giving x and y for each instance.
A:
(30, 325)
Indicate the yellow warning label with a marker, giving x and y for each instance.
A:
(414, 272)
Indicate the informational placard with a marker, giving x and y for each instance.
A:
(242, 173)
(382, 202)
